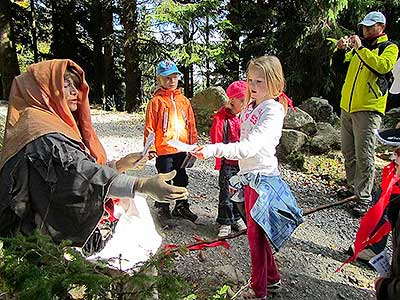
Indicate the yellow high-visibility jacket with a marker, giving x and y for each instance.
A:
(360, 90)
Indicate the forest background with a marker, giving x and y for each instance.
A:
(119, 42)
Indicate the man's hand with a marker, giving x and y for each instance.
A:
(355, 41)
(342, 43)
(131, 161)
(157, 188)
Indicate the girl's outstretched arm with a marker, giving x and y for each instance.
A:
(198, 152)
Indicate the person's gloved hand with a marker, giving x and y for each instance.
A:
(130, 161)
(157, 188)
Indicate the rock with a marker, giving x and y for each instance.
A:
(231, 273)
(391, 118)
(327, 138)
(205, 103)
(300, 120)
(291, 141)
(319, 109)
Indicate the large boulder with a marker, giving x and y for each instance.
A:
(205, 103)
(291, 141)
(319, 109)
(326, 139)
(300, 120)
(391, 118)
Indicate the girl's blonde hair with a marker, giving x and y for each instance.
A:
(274, 79)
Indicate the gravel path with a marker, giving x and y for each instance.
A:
(307, 263)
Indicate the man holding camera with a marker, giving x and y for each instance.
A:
(366, 60)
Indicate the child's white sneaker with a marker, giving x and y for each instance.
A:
(224, 231)
(240, 225)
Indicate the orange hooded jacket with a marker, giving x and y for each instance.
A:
(170, 116)
(37, 107)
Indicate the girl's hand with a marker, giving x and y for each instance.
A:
(198, 152)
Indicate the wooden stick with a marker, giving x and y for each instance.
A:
(337, 203)
(235, 235)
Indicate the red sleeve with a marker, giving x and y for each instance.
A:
(217, 130)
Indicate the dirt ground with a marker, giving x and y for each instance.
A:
(307, 263)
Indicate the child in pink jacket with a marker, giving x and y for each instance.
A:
(226, 129)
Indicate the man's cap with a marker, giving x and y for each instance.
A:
(237, 89)
(167, 67)
(372, 18)
(389, 137)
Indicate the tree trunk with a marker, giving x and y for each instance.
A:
(108, 44)
(8, 57)
(65, 42)
(98, 63)
(233, 34)
(187, 70)
(132, 71)
(208, 46)
(33, 31)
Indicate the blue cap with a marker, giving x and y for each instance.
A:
(167, 67)
(372, 18)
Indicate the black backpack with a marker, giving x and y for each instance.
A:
(384, 81)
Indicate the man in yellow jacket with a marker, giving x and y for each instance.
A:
(364, 94)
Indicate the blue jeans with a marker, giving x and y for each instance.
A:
(227, 211)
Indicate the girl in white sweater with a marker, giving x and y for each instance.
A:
(271, 210)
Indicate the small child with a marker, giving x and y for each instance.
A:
(272, 213)
(226, 129)
(170, 116)
(381, 219)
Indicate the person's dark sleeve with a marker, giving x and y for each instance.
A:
(388, 288)
(67, 187)
(338, 61)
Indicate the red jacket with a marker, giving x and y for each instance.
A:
(217, 132)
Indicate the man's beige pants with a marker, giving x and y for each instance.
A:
(358, 148)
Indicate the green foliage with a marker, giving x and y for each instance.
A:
(36, 268)
(221, 293)
(329, 167)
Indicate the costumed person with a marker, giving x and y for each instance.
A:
(54, 176)
(366, 61)
(375, 225)
(271, 210)
(170, 116)
(226, 129)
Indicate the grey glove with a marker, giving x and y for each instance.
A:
(157, 188)
(133, 161)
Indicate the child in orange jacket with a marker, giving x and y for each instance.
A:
(170, 116)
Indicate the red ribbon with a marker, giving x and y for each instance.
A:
(202, 244)
(289, 101)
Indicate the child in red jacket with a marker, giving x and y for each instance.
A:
(226, 129)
